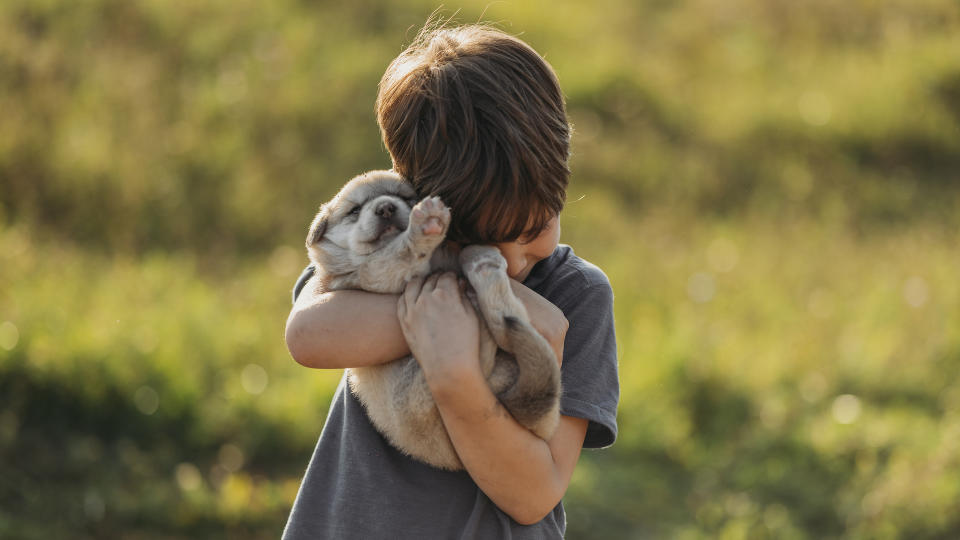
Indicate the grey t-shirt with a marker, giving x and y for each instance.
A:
(358, 486)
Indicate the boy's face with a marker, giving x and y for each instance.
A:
(524, 252)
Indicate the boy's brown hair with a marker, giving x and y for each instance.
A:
(477, 117)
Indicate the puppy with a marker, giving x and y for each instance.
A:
(375, 236)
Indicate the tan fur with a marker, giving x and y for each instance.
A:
(380, 252)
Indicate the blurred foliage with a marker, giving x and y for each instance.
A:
(218, 113)
(773, 188)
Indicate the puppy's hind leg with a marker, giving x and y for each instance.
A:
(535, 396)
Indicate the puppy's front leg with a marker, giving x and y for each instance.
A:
(428, 224)
(486, 270)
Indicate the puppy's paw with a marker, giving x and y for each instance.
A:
(482, 264)
(486, 270)
(430, 217)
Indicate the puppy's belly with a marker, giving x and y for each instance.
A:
(399, 403)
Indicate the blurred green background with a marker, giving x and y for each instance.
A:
(773, 188)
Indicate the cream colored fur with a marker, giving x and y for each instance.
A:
(371, 236)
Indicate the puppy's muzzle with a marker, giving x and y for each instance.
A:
(386, 209)
(391, 218)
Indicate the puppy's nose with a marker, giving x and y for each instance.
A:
(386, 209)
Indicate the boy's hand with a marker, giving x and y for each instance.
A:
(441, 327)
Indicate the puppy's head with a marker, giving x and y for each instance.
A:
(369, 211)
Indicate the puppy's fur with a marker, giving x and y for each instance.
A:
(374, 236)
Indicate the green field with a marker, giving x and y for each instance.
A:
(773, 189)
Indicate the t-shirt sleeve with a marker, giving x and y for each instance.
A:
(591, 388)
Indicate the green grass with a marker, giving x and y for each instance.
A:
(119, 375)
(780, 380)
(772, 188)
(737, 343)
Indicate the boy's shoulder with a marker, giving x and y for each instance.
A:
(565, 265)
(565, 274)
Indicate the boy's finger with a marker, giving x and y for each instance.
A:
(447, 279)
(430, 283)
(465, 301)
(402, 309)
(412, 290)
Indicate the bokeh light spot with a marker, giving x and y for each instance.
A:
(147, 400)
(915, 292)
(9, 335)
(701, 287)
(254, 379)
(846, 408)
(231, 457)
(188, 477)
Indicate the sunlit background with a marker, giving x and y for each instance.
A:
(772, 186)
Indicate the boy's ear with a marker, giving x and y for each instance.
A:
(318, 227)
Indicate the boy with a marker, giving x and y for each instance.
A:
(476, 117)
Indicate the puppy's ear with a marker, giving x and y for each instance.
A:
(319, 226)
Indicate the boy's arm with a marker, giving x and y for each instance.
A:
(341, 329)
(522, 474)
(546, 318)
